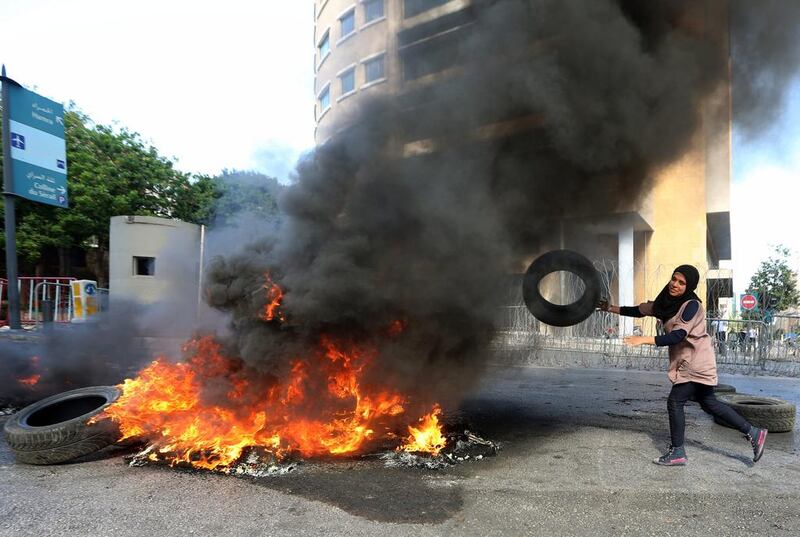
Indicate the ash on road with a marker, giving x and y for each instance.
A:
(577, 446)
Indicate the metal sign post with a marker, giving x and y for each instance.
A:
(10, 216)
(34, 166)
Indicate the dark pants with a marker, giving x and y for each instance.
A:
(704, 395)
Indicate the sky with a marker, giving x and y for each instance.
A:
(765, 192)
(211, 84)
(216, 85)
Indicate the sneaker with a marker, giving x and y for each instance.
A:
(676, 456)
(757, 439)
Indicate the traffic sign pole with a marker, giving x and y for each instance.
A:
(14, 321)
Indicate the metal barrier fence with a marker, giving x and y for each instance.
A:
(33, 290)
(746, 346)
(53, 293)
(66, 316)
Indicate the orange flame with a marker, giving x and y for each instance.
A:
(274, 297)
(428, 437)
(33, 378)
(322, 408)
(29, 380)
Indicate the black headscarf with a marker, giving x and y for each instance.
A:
(665, 305)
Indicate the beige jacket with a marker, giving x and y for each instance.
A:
(693, 359)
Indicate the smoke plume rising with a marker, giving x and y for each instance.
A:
(549, 108)
(766, 53)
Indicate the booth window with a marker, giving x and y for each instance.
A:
(144, 266)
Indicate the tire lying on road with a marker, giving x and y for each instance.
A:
(56, 429)
(558, 314)
(776, 415)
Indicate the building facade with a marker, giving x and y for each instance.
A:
(395, 47)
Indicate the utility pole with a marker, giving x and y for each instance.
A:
(10, 211)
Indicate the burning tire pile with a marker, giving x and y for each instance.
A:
(70, 425)
(322, 410)
(73, 424)
(459, 447)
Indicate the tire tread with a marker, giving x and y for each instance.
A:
(60, 442)
(777, 417)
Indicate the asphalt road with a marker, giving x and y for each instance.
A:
(576, 460)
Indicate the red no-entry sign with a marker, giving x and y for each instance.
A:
(748, 302)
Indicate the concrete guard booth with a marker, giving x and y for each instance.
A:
(156, 261)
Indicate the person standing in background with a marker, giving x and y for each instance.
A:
(720, 329)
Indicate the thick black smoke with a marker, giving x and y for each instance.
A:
(103, 352)
(550, 108)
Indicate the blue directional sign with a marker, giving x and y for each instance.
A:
(38, 150)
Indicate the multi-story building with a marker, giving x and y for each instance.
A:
(398, 47)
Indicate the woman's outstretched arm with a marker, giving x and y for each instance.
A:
(674, 337)
(625, 311)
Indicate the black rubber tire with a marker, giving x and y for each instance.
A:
(771, 413)
(724, 388)
(558, 314)
(55, 429)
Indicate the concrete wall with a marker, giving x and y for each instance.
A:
(679, 233)
(176, 247)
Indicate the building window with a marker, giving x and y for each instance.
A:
(415, 7)
(348, 81)
(435, 56)
(348, 23)
(373, 10)
(325, 99)
(144, 266)
(374, 69)
(324, 46)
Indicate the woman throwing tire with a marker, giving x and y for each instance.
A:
(692, 364)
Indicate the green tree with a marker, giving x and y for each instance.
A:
(195, 201)
(775, 278)
(244, 192)
(110, 172)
